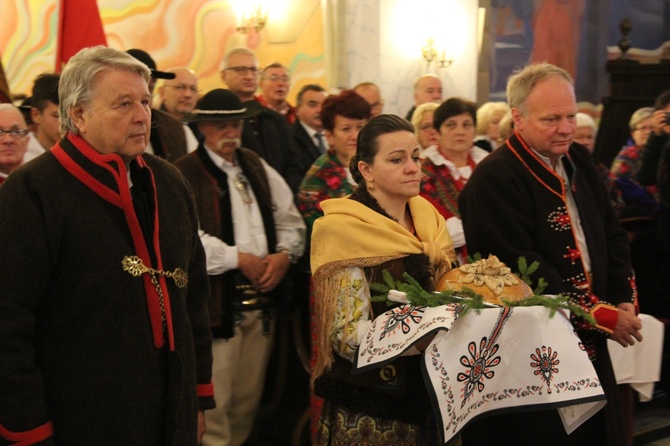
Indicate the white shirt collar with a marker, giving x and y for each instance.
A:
(219, 161)
(434, 154)
(310, 131)
(546, 160)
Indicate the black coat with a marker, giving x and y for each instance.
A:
(306, 152)
(513, 206)
(77, 329)
(269, 136)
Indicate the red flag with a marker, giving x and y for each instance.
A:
(5, 96)
(79, 26)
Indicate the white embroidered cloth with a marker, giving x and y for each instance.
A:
(503, 360)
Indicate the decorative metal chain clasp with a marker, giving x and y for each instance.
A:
(136, 267)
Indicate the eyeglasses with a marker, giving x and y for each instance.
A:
(244, 70)
(182, 88)
(276, 78)
(427, 127)
(14, 133)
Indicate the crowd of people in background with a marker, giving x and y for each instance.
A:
(263, 172)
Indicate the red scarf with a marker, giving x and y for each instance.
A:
(121, 198)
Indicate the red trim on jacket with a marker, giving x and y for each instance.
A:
(26, 438)
(606, 317)
(532, 172)
(123, 200)
(205, 389)
(159, 258)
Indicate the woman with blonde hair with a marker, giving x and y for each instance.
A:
(627, 162)
(488, 124)
(422, 120)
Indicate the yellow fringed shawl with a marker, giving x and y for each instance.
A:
(350, 234)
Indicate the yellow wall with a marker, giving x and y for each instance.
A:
(191, 33)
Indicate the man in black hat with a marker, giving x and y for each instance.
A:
(44, 115)
(168, 139)
(252, 232)
(147, 60)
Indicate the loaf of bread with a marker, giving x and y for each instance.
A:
(490, 278)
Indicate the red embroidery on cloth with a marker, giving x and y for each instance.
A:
(478, 363)
(544, 361)
(401, 318)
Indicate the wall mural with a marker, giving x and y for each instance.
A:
(191, 33)
(578, 35)
(196, 33)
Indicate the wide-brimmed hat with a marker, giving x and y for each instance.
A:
(144, 57)
(221, 105)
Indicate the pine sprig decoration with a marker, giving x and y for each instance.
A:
(554, 303)
(525, 272)
(418, 296)
(469, 299)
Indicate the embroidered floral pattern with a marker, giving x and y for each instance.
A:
(559, 220)
(573, 254)
(327, 178)
(480, 361)
(372, 348)
(478, 367)
(545, 361)
(354, 301)
(402, 317)
(463, 363)
(440, 188)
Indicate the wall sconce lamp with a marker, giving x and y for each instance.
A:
(253, 17)
(429, 53)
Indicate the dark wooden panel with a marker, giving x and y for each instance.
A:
(632, 85)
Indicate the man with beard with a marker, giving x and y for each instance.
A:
(252, 232)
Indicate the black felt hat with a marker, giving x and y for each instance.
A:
(144, 57)
(221, 105)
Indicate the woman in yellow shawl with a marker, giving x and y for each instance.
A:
(383, 225)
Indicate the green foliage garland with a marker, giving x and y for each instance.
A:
(472, 301)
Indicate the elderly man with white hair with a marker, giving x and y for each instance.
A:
(104, 334)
